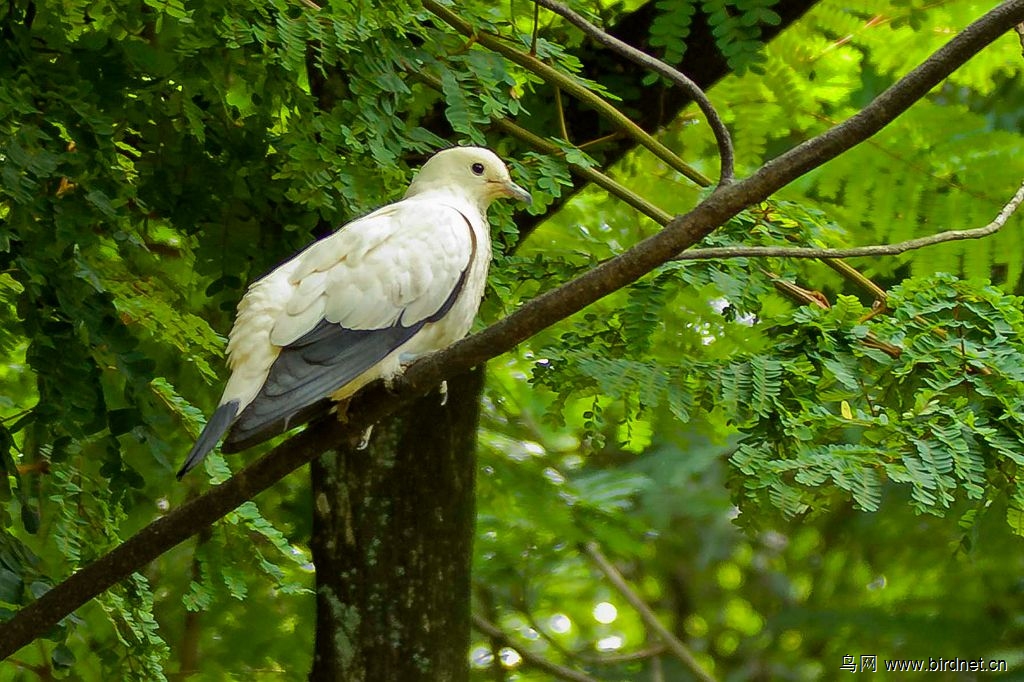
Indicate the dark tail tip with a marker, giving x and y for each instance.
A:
(207, 441)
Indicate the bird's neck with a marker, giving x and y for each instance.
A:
(457, 200)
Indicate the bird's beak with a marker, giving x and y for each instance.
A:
(514, 191)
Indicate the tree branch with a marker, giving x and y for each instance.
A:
(873, 250)
(675, 646)
(538, 662)
(725, 149)
(614, 659)
(35, 619)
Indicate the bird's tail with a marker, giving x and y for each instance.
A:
(214, 429)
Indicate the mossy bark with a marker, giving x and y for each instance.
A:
(392, 543)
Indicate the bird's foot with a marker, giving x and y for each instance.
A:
(444, 392)
(364, 440)
(341, 408)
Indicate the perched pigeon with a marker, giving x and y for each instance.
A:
(403, 281)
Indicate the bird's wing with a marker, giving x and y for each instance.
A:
(353, 299)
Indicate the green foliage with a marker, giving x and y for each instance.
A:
(736, 25)
(837, 417)
(671, 28)
(145, 652)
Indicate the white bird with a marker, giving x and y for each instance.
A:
(351, 308)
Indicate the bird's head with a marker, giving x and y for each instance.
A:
(475, 172)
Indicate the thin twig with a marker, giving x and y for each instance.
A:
(536, 28)
(599, 140)
(652, 651)
(997, 224)
(18, 415)
(852, 274)
(560, 671)
(644, 60)
(531, 620)
(560, 112)
(803, 296)
(675, 646)
(486, 600)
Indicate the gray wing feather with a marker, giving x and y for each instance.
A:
(314, 367)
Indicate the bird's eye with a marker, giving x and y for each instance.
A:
(477, 168)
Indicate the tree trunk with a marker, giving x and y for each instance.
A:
(392, 542)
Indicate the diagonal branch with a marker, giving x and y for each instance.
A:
(557, 671)
(40, 616)
(650, 619)
(725, 149)
(856, 251)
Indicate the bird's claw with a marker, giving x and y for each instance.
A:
(364, 440)
(341, 409)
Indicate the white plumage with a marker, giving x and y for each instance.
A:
(400, 282)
